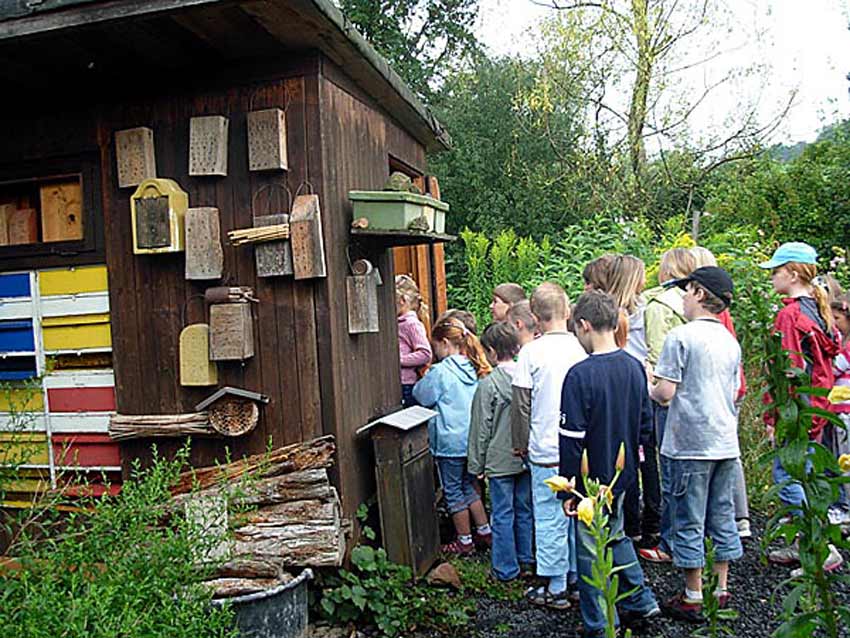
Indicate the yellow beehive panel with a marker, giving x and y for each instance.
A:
(21, 400)
(23, 448)
(78, 332)
(72, 281)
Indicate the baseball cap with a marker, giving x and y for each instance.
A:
(716, 280)
(797, 251)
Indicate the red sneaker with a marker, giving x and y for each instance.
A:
(459, 549)
(482, 541)
(679, 608)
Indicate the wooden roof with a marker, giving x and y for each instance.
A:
(53, 47)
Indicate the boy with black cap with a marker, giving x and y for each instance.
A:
(697, 373)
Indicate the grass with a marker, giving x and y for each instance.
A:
(475, 577)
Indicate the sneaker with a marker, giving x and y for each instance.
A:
(724, 599)
(788, 555)
(744, 530)
(482, 541)
(458, 549)
(833, 561)
(527, 570)
(637, 619)
(838, 516)
(655, 555)
(541, 597)
(679, 608)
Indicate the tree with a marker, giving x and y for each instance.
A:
(421, 39)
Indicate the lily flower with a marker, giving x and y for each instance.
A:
(561, 484)
(844, 462)
(585, 511)
(839, 394)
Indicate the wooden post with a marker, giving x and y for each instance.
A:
(204, 254)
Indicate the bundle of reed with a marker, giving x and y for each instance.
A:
(259, 234)
(123, 427)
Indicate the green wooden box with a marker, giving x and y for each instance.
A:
(392, 210)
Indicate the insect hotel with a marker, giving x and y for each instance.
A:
(180, 255)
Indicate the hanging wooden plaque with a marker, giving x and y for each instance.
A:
(22, 226)
(231, 332)
(158, 210)
(208, 145)
(267, 140)
(61, 211)
(305, 235)
(196, 369)
(134, 154)
(273, 258)
(204, 254)
(362, 297)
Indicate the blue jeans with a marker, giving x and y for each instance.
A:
(458, 487)
(553, 531)
(512, 520)
(659, 414)
(702, 499)
(642, 600)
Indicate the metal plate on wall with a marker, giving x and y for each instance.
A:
(152, 222)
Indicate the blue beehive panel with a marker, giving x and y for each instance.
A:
(17, 368)
(15, 285)
(16, 336)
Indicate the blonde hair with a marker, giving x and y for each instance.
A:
(406, 289)
(467, 343)
(807, 273)
(626, 278)
(676, 263)
(703, 257)
(510, 293)
(549, 302)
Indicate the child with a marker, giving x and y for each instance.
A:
(521, 317)
(491, 454)
(595, 273)
(697, 373)
(535, 414)
(413, 346)
(464, 316)
(448, 387)
(505, 296)
(805, 323)
(604, 403)
(840, 513)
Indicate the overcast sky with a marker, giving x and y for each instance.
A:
(806, 43)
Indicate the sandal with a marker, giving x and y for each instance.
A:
(655, 555)
(543, 598)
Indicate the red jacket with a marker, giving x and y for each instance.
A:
(802, 334)
(726, 319)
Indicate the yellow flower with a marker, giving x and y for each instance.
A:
(608, 494)
(620, 463)
(844, 462)
(839, 394)
(585, 511)
(560, 484)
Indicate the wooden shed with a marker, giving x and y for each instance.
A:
(101, 94)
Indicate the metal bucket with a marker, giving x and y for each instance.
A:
(280, 612)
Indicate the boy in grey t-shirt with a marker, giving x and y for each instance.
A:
(697, 373)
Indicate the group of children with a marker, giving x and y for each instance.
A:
(658, 371)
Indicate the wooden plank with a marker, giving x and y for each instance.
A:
(72, 281)
(306, 238)
(22, 226)
(135, 157)
(361, 293)
(81, 399)
(231, 332)
(208, 137)
(267, 140)
(204, 253)
(273, 258)
(61, 211)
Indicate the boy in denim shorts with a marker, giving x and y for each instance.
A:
(697, 373)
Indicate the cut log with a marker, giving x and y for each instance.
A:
(247, 567)
(229, 587)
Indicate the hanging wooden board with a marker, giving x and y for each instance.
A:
(22, 225)
(196, 369)
(158, 209)
(362, 297)
(273, 258)
(231, 332)
(267, 140)
(204, 253)
(305, 233)
(61, 211)
(208, 145)
(134, 154)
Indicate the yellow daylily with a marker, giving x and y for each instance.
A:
(585, 511)
(844, 462)
(608, 494)
(560, 484)
(839, 394)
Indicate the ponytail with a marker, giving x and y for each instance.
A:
(807, 274)
(466, 341)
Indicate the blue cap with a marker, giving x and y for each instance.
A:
(797, 251)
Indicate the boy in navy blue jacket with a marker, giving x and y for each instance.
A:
(605, 402)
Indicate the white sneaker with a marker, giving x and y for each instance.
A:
(744, 530)
(838, 516)
(832, 562)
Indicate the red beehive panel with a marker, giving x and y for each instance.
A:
(85, 450)
(81, 399)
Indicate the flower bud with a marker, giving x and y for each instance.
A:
(585, 464)
(620, 463)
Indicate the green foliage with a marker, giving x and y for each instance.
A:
(477, 580)
(113, 566)
(711, 610)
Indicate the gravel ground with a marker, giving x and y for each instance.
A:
(752, 585)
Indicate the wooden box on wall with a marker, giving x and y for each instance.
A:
(208, 145)
(273, 258)
(267, 140)
(61, 211)
(231, 332)
(204, 253)
(158, 208)
(134, 154)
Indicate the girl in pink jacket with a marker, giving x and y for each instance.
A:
(413, 345)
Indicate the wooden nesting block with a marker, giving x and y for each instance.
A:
(62, 211)
(362, 296)
(204, 254)
(305, 236)
(208, 145)
(274, 258)
(231, 332)
(158, 209)
(134, 155)
(5, 211)
(196, 369)
(22, 226)
(267, 140)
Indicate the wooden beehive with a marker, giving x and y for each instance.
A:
(305, 236)
(158, 209)
(231, 332)
(273, 258)
(22, 225)
(208, 145)
(204, 253)
(267, 140)
(196, 369)
(134, 155)
(61, 211)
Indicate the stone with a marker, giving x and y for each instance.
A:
(444, 574)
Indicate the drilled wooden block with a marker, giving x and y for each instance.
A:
(231, 332)
(196, 369)
(273, 258)
(362, 300)
(61, 211)
(204, 253)
(134, 153)
(305, 236)
(208, 145)
(267, 140)
(22, 225)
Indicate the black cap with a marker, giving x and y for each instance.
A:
(716, 280)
